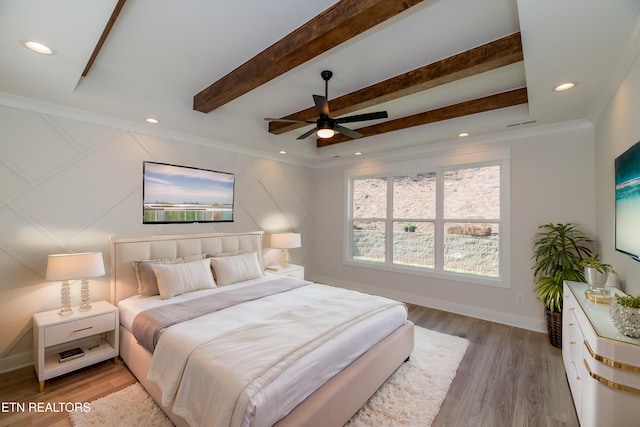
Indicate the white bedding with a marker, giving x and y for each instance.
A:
(288, 389)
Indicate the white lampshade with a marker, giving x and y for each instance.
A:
(74, 266)
(67, 267)
(285, 240)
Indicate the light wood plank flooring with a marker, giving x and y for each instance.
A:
(508, 377)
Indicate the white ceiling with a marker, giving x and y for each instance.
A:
(160, 53)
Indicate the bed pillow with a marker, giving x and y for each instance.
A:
(147, 284)
(236, 268)
(225, 254)
(177, 279)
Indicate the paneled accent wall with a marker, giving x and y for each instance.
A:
(69, 186)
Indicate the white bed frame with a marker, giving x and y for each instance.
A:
(331, 405)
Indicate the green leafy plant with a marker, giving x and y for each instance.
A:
(628, 301)
(558, 251)
(595, 263)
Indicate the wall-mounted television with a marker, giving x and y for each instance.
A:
(183, 194)
(627, 171)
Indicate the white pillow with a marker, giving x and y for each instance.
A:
(176, 279)
(232, 269)
(147, 283)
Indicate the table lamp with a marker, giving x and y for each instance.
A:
(284, 242)
(67, 267)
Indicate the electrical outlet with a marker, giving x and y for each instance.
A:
(520, 298)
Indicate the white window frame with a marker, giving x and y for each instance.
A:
(440, 164)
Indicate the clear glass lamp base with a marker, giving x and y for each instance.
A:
(284, 258)
(65, 299)
(84, 296)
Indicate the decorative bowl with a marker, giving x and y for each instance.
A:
(626, 319)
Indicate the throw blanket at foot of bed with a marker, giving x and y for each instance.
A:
(148, 325)
(212, 381)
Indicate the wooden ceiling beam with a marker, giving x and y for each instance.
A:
(474, 106)
(335, 25)
(496, 54)
(105, 33)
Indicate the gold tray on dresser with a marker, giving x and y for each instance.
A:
(599, 295)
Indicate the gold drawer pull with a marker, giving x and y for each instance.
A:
(572, 342)
(83, 329)
(572, 308)
(571, 324)
(576, 369)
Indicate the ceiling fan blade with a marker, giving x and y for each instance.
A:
(322, 106)
(348, 132)
(288, 120)
(306, 134)
(363, 117)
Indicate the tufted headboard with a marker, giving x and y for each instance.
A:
(124, 251)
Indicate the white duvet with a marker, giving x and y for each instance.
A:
(271, 375)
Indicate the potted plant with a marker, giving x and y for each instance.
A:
(595, 271)
(625, 314)
(558, 251)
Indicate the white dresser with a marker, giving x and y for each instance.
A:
(602, 364)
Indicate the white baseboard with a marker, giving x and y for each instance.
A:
(17, 361)
(452, 307)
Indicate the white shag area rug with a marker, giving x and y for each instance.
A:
(412, 396)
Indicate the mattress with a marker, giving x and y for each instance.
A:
(287, 389)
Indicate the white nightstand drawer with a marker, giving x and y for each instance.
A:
(77, 329)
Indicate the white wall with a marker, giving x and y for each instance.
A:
(617, 129)
(552, 180)
(68, 185)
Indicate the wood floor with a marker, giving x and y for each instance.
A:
(508, 377)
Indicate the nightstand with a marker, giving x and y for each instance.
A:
(95, 332)
(296, 271)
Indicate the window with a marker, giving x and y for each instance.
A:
(447, 222)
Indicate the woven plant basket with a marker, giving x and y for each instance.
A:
(554, 326)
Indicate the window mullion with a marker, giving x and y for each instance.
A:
(439, 223)
(388, 259)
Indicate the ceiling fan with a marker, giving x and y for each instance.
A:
(326, 126)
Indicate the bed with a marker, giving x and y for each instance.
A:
(336, 378)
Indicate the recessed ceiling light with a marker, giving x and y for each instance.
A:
(564, 86)
(152, 120)
(282, 152)
(463, 134)
(38, 47)
(357, 153)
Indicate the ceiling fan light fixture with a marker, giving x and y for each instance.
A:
(325, 133)
(325, 128)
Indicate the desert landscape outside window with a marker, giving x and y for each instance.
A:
(445, 221)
